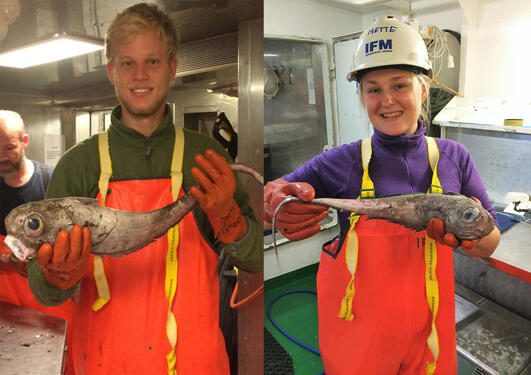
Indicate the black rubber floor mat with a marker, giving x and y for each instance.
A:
(277, 361)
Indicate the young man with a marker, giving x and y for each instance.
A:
(142, 323)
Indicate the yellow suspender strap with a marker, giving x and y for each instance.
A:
(433, 154)
(351, 248)
(173, 242)
(367, 187)
(104, 294)
(105, 165)
(351, 258)
(430, 258)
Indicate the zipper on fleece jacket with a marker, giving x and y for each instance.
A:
(404, 161)
(147, 154)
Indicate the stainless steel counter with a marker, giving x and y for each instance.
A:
(515, 247)
(31, 342)
(496, 339)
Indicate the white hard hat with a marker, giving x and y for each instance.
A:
(390, 43)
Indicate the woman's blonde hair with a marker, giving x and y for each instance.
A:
(140, 17)
(425, 109)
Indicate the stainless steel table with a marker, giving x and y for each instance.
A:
(494, 338)
(31, 342)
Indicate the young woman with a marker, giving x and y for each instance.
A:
(375, 280)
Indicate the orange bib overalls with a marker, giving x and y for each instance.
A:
(128, 333)
(381, 327)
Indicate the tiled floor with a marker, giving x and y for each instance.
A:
(296, 313)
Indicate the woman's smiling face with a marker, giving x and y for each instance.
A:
(393, 98)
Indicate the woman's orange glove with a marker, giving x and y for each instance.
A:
(216, 196)
(295, 221)
(66, 263)
(435, 230)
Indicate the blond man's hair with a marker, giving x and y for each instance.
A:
(137, 18)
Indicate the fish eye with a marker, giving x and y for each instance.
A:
(470, 214)
(33, 225)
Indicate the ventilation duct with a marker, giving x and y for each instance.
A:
(207, 55)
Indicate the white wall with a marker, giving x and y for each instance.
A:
(307, 19)
(82, 126)
(499, 64)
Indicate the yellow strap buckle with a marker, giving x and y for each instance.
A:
(102, 286)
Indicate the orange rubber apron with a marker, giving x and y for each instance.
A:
(381, 324)
(14, 289)
(128, 333)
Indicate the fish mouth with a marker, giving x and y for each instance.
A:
(18, 249)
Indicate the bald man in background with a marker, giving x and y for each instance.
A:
(21, 180)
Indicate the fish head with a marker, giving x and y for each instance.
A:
(469, 220)
(32, 224)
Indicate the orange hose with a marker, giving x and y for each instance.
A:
(246, 300)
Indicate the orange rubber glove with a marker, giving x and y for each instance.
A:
(295, 221)
(66, 263)
(216, 196)
(435, 230)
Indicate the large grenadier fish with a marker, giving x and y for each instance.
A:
(112, 232)
(462, 216)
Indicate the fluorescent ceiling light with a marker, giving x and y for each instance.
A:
(58, 47)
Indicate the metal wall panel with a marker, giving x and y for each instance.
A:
(503, 158)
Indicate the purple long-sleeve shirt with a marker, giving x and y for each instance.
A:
(399, 165)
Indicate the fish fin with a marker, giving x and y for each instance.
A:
(451, 193)
(118, 254)
(86, 201)
(416, 228)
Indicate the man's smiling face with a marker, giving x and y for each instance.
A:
(141, 72)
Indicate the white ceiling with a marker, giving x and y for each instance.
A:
(369, 6)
